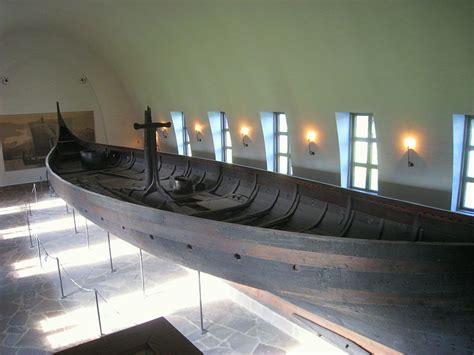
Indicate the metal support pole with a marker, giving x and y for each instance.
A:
(74, 218)
(60, 278)
(110, 253)
(203, 331)
(142, 271)
(67, 208)
(29, 229)
(87, 234)
(34, 190)
(98, 311)
(39, 251)
(29, 208)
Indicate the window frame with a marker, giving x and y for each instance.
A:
(370, 140)
(276, 134)
(225, 129)
(186, 141)
(467, 147)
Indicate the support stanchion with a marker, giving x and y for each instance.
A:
(87, 234)
(60, 278)
(74, 219)
(29, 228)
(67, 208)
(34, 190)
(203, 331)
(98, 311)
(110, 253)
(29, 208)
(39, 251)
(142, 272)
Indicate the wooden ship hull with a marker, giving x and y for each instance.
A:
(397, 273)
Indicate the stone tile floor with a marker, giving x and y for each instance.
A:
(34, 319)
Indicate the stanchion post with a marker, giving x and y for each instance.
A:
(74, 219)
(29, 208)
(60, 278)
(67, 208)
(87, 234)
(98, 311)
(142, 271)
(29, 229)
(34, 190)
(39, 251)
(110, 253)
(203, 331)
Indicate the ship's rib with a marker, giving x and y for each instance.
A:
(246, 218)
(318, 220)
(286, 216)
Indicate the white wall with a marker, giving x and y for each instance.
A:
(43, 68)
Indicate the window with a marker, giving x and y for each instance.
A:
(181, 131)
(226, 141)
(466, 201)
(275, 137)
(363, 153)
(221, 136)
(282, 156)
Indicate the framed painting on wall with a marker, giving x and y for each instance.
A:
(26, 139)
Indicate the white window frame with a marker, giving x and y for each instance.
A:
(181, 131)
(276, 134)
(225, 148)
(467, 148)
(370, 141)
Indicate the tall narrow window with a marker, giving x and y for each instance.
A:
(275, 137)
(226, 140)
(221, 136)
(364, 160)
(466, 201)
(282, 157)
(181, 131)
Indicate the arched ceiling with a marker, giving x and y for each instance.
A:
(409, 62)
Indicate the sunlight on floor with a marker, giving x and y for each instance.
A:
(37, 206)
(54, 225)
(130, 308)
(73, 257)
(312, 344)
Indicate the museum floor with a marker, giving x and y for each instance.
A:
(34, 319)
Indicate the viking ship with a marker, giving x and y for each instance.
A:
(395, 272)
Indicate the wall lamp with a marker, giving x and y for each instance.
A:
(245, 136)
(410, 143)
(311, 140)
(197, 129)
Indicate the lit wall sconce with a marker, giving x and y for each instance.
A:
(197, 129)
(311, 140)
(410, 143)
(4, 80)
(245, 136)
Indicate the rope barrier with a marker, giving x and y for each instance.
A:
(77, 284)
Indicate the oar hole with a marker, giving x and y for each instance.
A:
(101, 218)
(123, 227)
(296, 268)
(152, 237)
(189, 246)
(237, 256)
